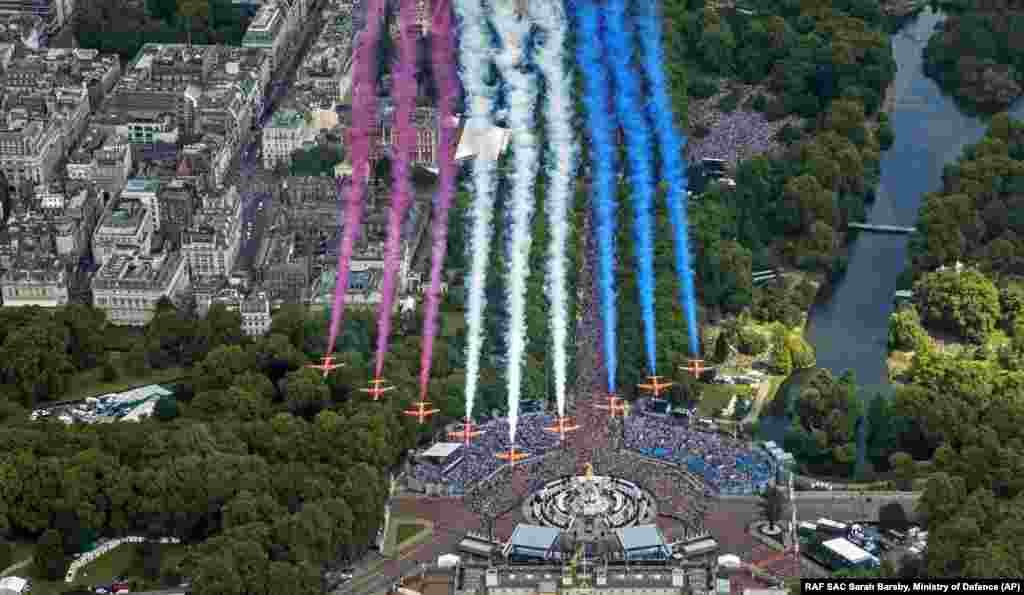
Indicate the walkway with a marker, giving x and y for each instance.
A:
(15, 567)
(882, 228)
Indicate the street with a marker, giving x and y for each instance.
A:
(257, 187)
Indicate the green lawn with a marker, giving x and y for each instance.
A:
(407, 531)
(123, 561)
(89, 384)
(452, 323)
(713, 398)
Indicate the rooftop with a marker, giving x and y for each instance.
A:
(534, 537)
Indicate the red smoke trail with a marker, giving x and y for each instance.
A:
(442, 62)
(363, 125)
(404, 91)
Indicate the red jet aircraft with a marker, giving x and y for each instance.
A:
(421, 412)
(466, 432)
(326, 365)
(376, 390)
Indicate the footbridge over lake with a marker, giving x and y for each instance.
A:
(870, 227)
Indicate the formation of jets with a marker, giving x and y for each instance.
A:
(466, 432)
(326, 365)
(376, 389)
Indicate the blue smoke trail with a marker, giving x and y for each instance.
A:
(638, 154)
(595, 101)
(670, 143)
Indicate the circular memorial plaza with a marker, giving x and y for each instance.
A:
(590, 506)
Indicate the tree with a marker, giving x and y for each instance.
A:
(224, 327)
(906, 332)
(782, 358)
(6, 553)
(772, 505)
(904, 467)
(892, 516)
(964, 302)
(752, 341)
(305, 392)
(193, 11)
(50, 557)
(721, 348)
(36, 364)
(85, 334)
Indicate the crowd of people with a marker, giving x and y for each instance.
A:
(727, 466)
(478, 460)
(732, 136)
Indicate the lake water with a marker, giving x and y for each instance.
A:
(849, 328)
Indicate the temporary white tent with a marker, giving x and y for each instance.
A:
(448, 561)
(730, 560)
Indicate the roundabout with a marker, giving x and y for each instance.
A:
(589, 506)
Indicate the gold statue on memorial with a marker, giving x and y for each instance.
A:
(588, 471)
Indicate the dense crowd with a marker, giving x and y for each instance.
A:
(727, 466)
(478, 460)
(733, 136)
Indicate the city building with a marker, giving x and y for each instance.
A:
(53, 13)
(287, 131)
(178, 201)
(29, 149)
(54, 68)
(311, 202)
(268, 31)
(76, 221)
(111, 164)
(255, 310)
(35, 281)
(599, 576)
(129, 225)
(129, 284)
(285, 269)
(145, 191)
(426, 123)
(211, 244)
(327, 66)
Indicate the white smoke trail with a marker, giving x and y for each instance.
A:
(558, 120)
(522, 88)
(475, 55)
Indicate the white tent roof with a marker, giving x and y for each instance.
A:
(448, 560)
(729, 560)
(847, 549)
(13, 584)
(441, 449)
(487, 143)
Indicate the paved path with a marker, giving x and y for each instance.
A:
(15, 567)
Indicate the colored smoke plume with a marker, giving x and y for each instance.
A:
(404, 144)
(550, 14)
(589, 50)
(441, 63)
(671, 144)
(638, 155)
(522, 99)
(475, 58)
(364, 112)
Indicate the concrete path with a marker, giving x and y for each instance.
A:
(15, 567)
